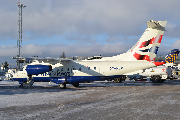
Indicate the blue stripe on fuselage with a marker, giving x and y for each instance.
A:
(70, 80)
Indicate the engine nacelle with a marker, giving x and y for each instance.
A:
(38, 69)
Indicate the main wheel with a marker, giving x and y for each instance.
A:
(118, 80)
(123, 78)
(21, 86)
(156, 79)
(76, 84)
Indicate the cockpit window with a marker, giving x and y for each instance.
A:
(21, 69)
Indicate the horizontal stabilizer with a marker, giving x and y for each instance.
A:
(156, 24)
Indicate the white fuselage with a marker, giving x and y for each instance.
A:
(68, 69)
(137, 58)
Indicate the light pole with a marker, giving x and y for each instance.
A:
(19, 40)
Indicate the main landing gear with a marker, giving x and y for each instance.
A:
(29, 82)
(76, 84)
(156, 79)
(63, 85)
(120, 79)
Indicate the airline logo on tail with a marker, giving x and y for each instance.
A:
(171, 57)
(147, 50)
(148, 44)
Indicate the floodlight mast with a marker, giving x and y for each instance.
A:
(19, 40)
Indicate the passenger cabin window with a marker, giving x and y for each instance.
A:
(88, 68)
(80, 69)
(94, 68)
(74, 68)
(68, 69)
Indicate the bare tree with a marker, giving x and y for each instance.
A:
(6, 64)
(63, 55)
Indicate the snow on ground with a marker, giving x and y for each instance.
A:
(96, 100)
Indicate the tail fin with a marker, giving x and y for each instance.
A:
(147, 46)
(171, 57)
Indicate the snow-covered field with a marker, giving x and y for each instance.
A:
(95, 101)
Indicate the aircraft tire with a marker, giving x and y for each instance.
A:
(118, 80)
(76, 84)
(62, 86)
(156, 79)
(21, 86)
(123, 78)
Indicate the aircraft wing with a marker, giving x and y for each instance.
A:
(45, 59)
(49, 58)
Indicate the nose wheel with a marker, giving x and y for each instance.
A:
(62, 86)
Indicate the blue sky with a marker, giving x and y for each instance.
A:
(84, 27)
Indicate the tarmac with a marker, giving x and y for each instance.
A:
(103, 100)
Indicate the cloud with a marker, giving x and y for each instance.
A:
(87, 17)
(8, 25)
(176, 45)
(173, 30)
(8, 50)
(84, 27)
(55, 50)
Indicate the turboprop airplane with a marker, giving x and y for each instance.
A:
(67, 71)
(160, 73)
